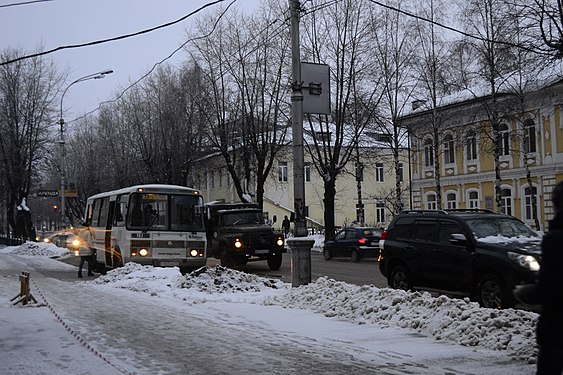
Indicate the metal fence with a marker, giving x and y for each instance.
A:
(10, 241)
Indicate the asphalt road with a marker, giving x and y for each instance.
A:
(366, 271)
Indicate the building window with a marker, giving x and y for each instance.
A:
(428, 153)
(307, 172)
(529, 142)
(401, 172)
(379, 172)
(530, 198)
(431, 203)
(282, 171)
(211, 180)
(451, 201)
(506, 201)
(220, 178)
(380, 212)
(473, 200)
(323, 137)
(449, 149)
(504, 139)
(471, 145)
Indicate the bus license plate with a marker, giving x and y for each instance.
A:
(261, 251)
(168, 264)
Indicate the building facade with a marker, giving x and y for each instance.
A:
(375, 187)
(529, 145)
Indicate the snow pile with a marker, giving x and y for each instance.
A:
(503, 239)
(220, 279)
(38, 249)
(444, 318)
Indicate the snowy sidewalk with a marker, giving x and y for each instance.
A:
(154, 321)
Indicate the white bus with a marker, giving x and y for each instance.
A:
(159, 225)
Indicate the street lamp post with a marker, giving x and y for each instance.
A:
(98, 75)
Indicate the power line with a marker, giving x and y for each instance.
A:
(23, 3)
(114, 38)
(158, 63)
(450, 28)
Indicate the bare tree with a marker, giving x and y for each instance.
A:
(494, 54)
(28, 89)
(339, 36)
(393, 46)
(248, 97)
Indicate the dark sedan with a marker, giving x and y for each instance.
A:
(354, 242)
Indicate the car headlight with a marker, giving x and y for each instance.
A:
(526, 261)
(76, 243)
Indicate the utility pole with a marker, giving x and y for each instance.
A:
(300, 222)
(360, 217)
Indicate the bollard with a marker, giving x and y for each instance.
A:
(300, 260)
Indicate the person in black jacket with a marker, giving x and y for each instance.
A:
(548, 292)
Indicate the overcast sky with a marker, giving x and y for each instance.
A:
(51, 24)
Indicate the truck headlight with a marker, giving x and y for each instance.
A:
(526, 261)
(238, 243)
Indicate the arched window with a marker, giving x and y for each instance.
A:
(451, 200)
(506, 201)
(471, 145)
(431, 203)
(529, 142)
(449, 149)
(473, 199)
(504, 139)
(428, 153)
(530, 200)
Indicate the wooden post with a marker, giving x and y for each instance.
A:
(25, 293)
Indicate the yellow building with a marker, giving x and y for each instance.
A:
(376, 188)
(529, 149)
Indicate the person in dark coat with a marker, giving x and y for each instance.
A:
(548, 292)
(285, 225)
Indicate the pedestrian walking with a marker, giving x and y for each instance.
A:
(86, 251)
(285, 225)
(548, 292)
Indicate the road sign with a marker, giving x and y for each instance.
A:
(48, 193)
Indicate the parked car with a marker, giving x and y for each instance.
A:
(354, 242)
(476, 253)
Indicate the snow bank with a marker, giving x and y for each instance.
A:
(38, 249)
(444, 318)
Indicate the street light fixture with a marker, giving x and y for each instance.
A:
(98, 75)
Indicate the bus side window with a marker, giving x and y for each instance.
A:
(96, 212)
(88, 218)
(104, 210)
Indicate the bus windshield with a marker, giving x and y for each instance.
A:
(173, 212)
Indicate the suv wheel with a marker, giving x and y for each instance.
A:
(400, 278)
(354, 255)
(492, 293)
(326, 254)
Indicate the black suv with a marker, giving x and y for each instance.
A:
(476, 253)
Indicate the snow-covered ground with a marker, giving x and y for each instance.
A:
(362, 326)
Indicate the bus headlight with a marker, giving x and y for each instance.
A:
(194, 252)
(238, 243)
(143, 252)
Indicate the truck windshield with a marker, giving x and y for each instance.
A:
(175, 212)
(242, 218)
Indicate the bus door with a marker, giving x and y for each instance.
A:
(113, 257)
